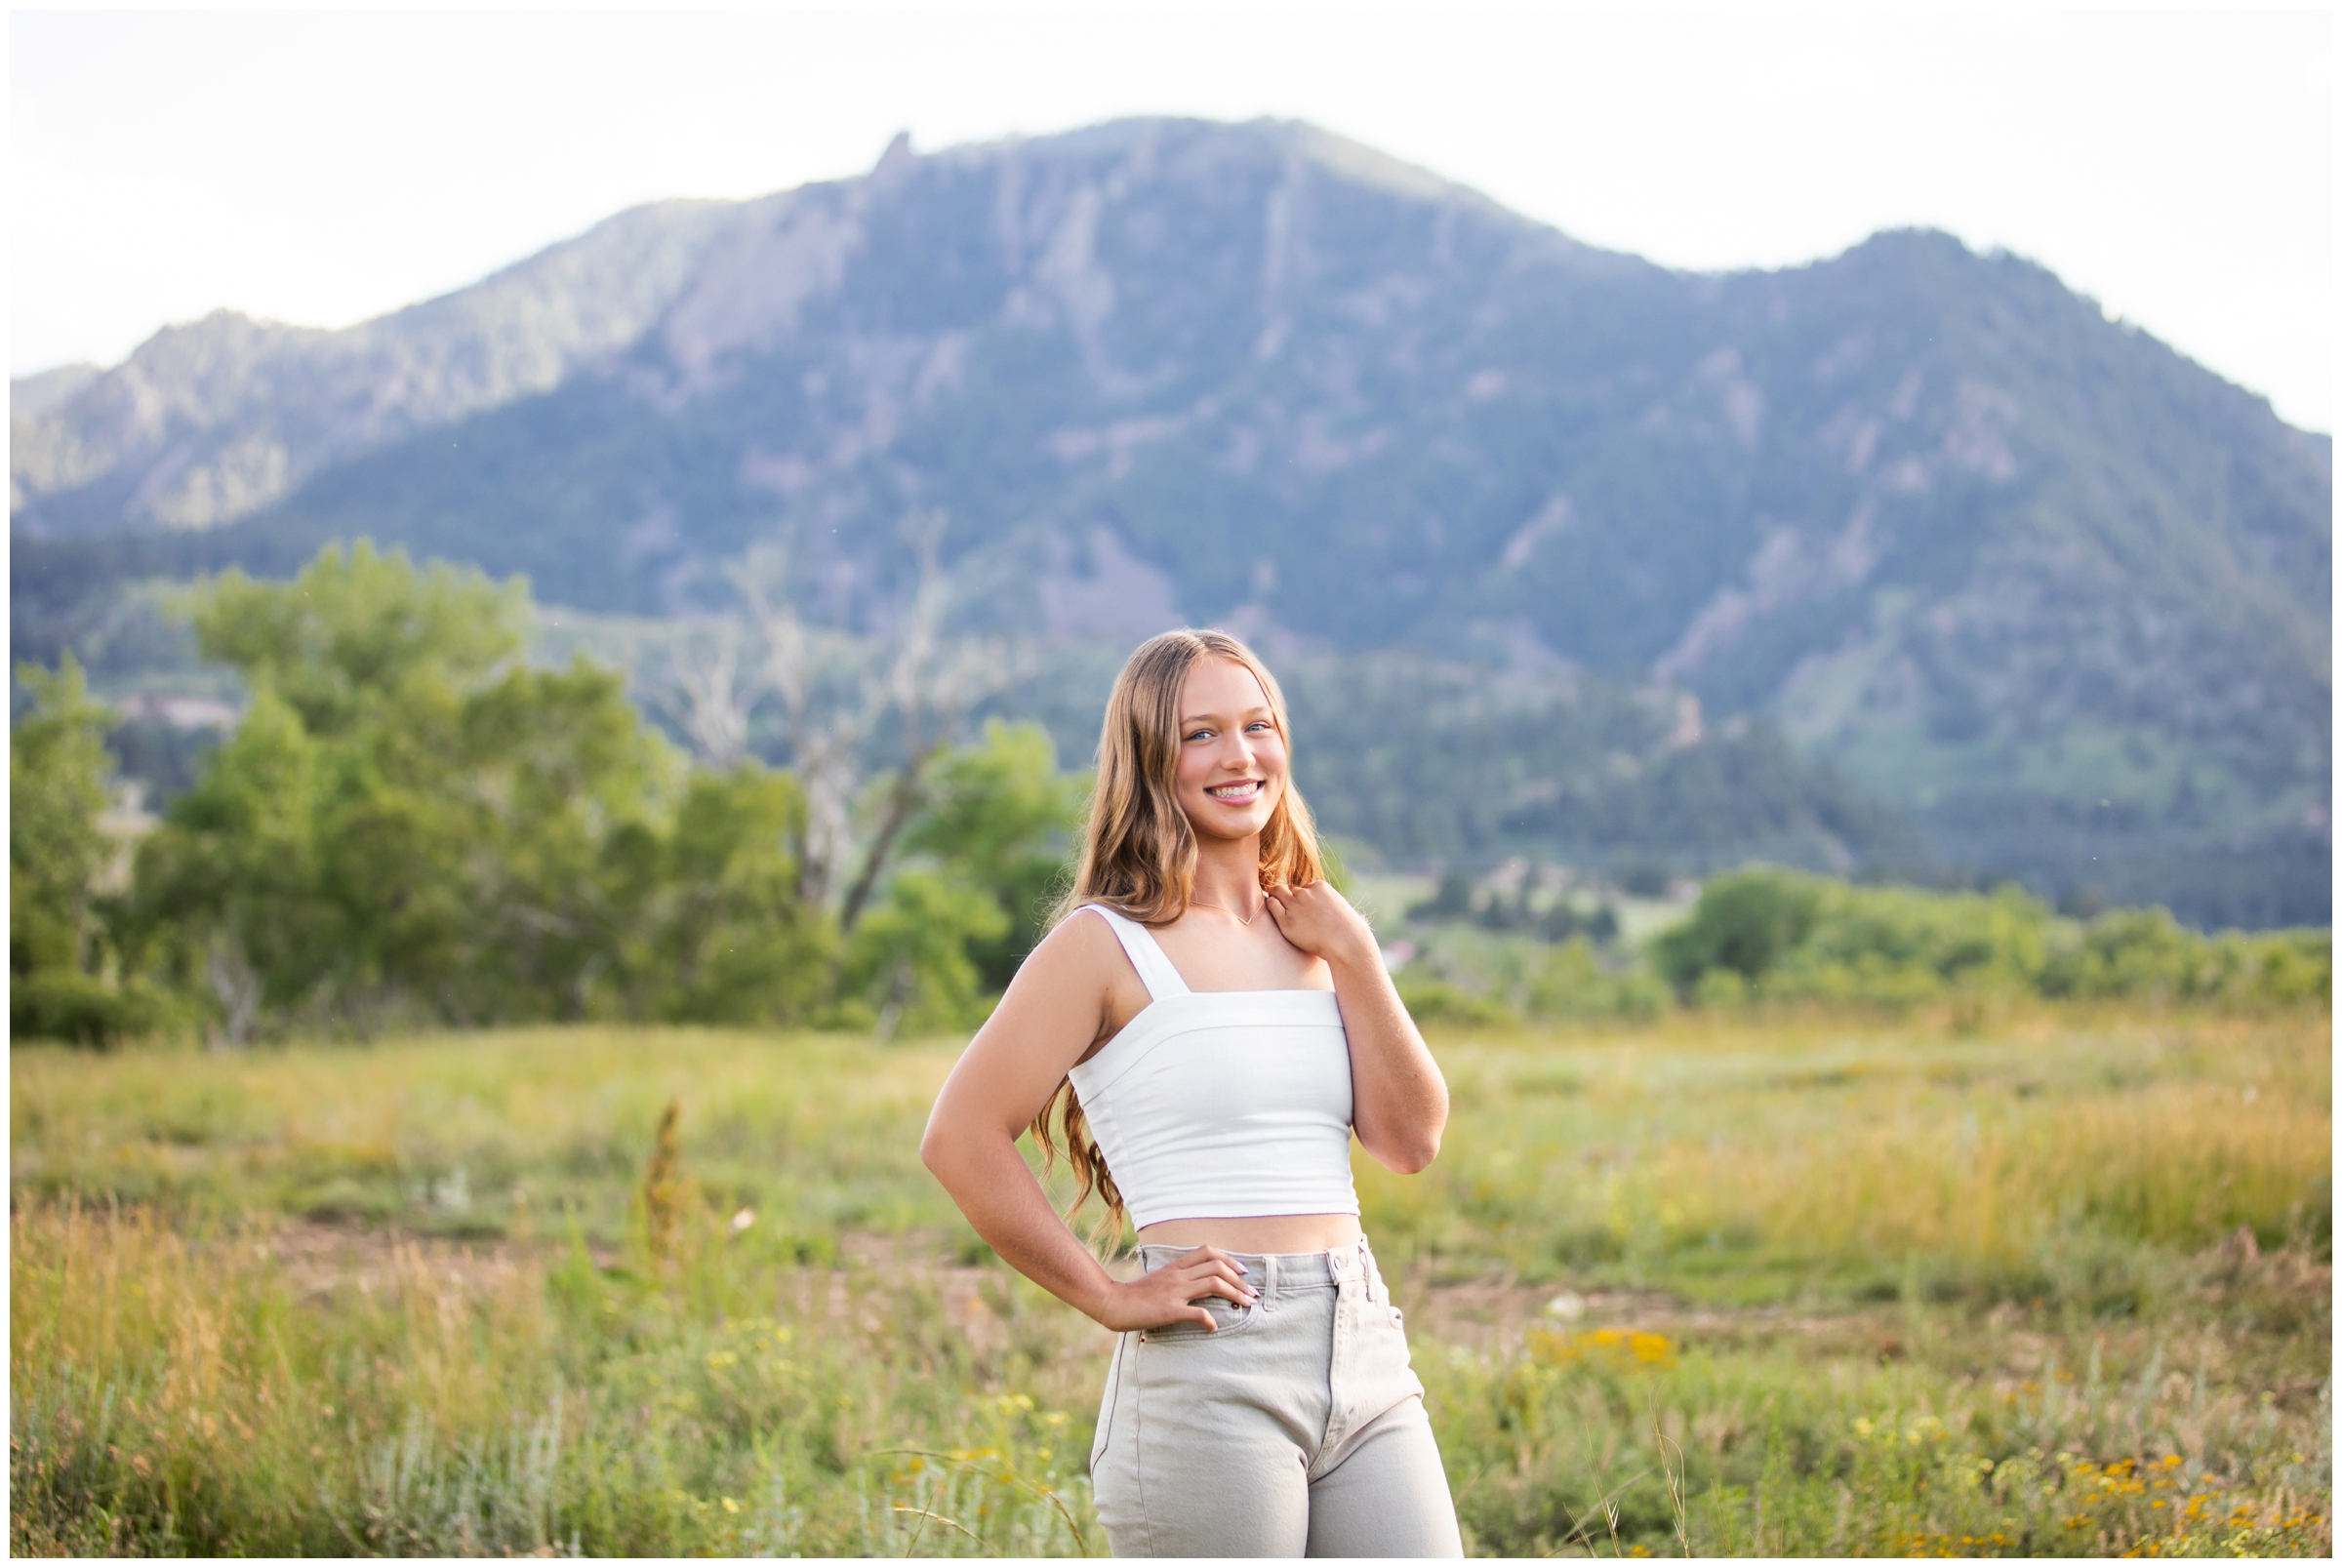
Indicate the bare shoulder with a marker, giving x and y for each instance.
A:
(1075, 968)
(1076, 977)
(1044, 1025)
(1081, 947)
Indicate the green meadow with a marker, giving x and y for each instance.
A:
(2011, 1278)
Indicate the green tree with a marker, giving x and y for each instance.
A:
(556, 777)
(63, 971)
(411, 818)
(911, 954)
(727, 941)
(56, 773)
(330, 854)
(359, 633)
(966, 901)
(1000, 817)
(230, 886)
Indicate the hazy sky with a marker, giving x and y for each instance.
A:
(324, 167)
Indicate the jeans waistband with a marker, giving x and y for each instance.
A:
(1272, 1273)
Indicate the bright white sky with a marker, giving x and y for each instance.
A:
(322, 167)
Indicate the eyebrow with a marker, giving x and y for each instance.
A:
(1261, 712)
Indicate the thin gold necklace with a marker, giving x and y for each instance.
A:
(1230, 913)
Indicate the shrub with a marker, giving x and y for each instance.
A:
(1436, 1001)
(1746, 922)
(1572, 982)
(2145, 952)
(78, 1009)
(1786, 935)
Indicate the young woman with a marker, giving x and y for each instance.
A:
(1210, 1067)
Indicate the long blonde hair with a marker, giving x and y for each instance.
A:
(1137, 851)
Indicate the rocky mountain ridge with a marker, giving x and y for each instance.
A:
(215, 419)
(2023, 572)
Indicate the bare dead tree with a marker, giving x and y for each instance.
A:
(927, 682)
(238, 984)
(825, 746)
(929, 686)
(703, 690)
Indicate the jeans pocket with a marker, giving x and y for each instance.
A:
(1228, 1315)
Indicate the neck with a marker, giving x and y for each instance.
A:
(1228, 873)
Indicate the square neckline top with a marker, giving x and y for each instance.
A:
(1220, 1104)
(1161, 977)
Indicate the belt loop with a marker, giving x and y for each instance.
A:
(1269, 1285)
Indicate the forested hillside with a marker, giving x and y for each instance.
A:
(2019, 575)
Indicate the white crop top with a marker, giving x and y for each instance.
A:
(1221, 1104)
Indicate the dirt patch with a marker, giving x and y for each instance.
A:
(1498, 1315)
(1494, 1315)
(324, 1260)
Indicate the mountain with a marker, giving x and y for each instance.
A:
(2021, 572)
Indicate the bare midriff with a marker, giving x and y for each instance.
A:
(1259, 1233)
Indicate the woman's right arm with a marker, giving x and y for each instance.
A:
(1055, 1008)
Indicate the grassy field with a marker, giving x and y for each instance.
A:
(2040, 1280)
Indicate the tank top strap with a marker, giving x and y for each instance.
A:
(1146, 954)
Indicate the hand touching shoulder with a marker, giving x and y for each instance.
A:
(1317, 919)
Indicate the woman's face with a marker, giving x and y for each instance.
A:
(1231, 759)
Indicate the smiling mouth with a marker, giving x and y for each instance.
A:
(1241, 792)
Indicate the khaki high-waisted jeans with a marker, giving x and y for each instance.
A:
(1296, 1430)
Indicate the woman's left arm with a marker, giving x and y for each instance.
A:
(1398, 1098)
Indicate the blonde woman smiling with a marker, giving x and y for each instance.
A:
(1205, 1068)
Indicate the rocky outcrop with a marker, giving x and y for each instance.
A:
(217, 420)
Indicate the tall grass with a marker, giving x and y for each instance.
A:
(177, 1394)
(2061, 1283)
(1775, 1455)
(479, 1135)
(1819, 1151)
